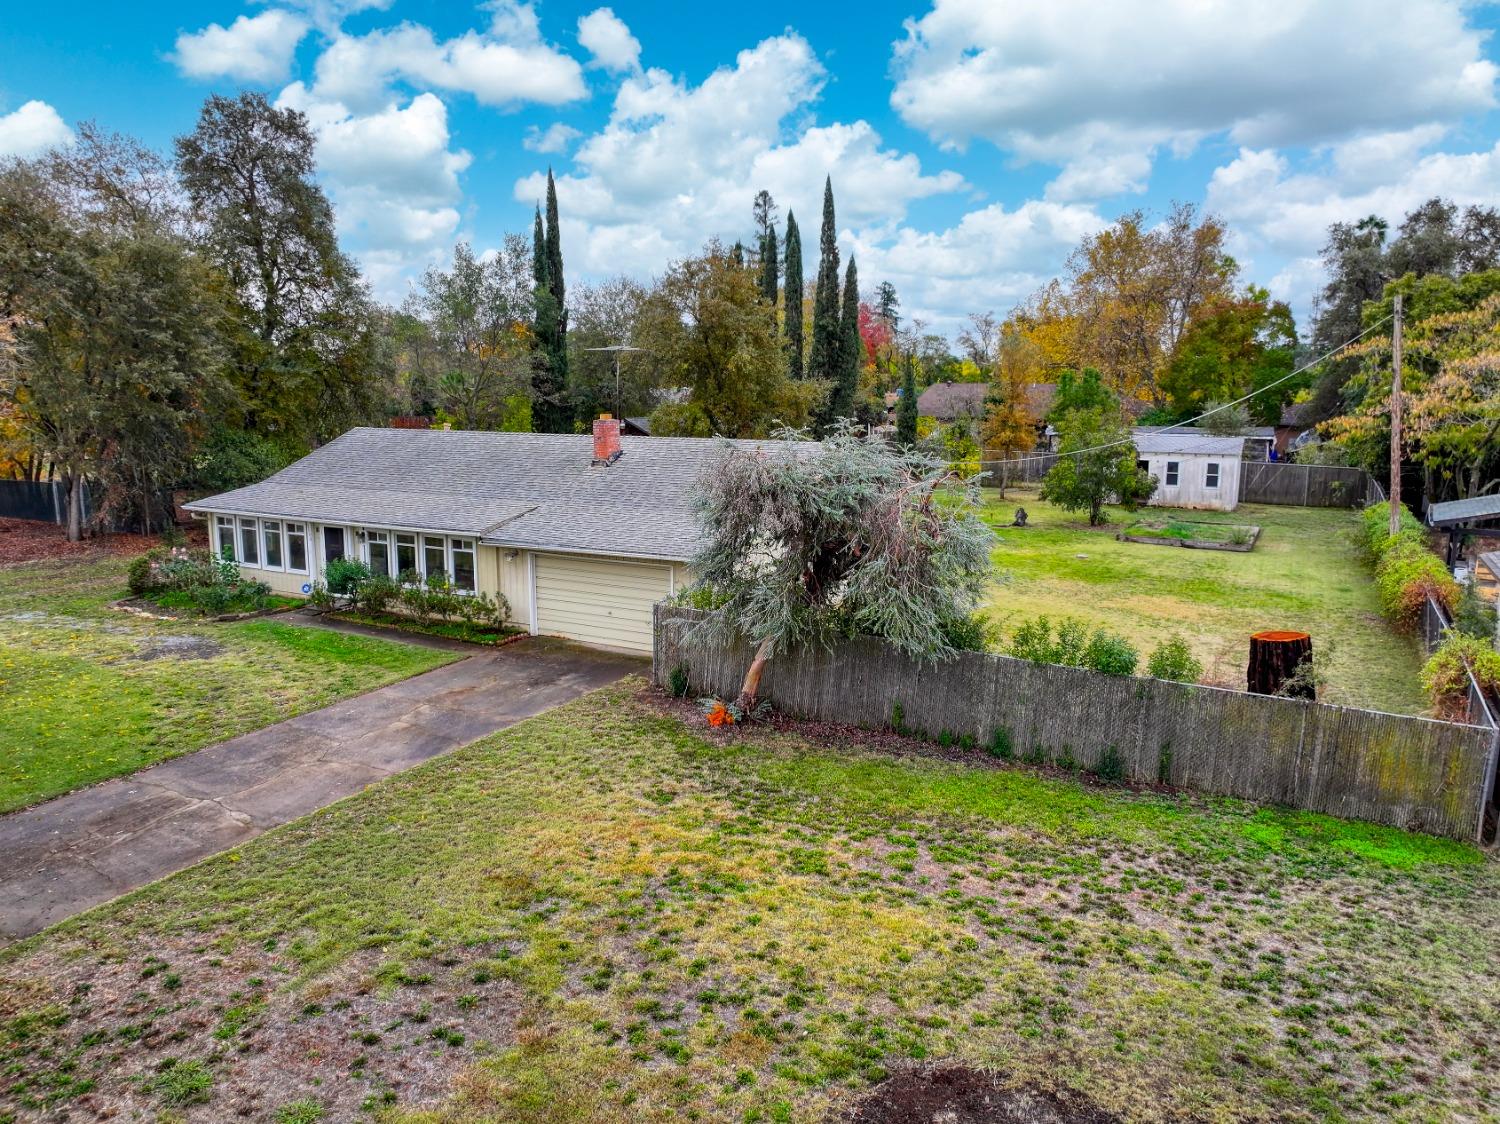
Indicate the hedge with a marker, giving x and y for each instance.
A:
(1407, 573)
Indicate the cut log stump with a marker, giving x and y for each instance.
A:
(1275, 657)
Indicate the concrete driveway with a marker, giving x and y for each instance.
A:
(61, 857)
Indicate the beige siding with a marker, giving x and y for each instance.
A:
(599, 601)
(1191, 490)
(280, 581)
(515, 583)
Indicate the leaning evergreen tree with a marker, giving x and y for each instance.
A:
(906, 409)
(792, 322)
(827, 329)
(1096, 464)
(806, 543)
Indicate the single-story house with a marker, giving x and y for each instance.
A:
(581, 534)
(1192, 470)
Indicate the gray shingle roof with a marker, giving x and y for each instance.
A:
(1178, 441)
(530, 490)
(1461, 511)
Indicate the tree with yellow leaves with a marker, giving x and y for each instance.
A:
(1009, 428)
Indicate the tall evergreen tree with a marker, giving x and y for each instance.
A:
(768, 270)
(792, 325)
(906, 409)
(851, 353)
(827, 331)
(549, 412)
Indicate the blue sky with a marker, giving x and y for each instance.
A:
(972, 143)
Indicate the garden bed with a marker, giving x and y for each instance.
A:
(1198, 536)
(492, 635)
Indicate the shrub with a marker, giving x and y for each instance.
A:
(1110, 653)
(1000, 743)
(1173, 660)
(415, 601)
(1406, 575)
(1072, 643)
(677, 681)
(492, 611)
(1473, 615)
(1111, 766)
(140, 579)
(1445, 676)
(972, 633)
(345, 576)
(442, 600)
(700, 596)
(1377, 528)
(898, 719)
(376, 595)
(1033, 641)
(319, 598)
(211, 600)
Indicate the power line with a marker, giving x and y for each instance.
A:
(1217, 409)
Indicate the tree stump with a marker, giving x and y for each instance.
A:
(1275, 657)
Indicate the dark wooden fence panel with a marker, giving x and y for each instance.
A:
(1303, 485)
(1387, 768)
(25, 499)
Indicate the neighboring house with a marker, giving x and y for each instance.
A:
(950, 401)
(1487, 576)
(1192, 470)
(582, 535)
(636, 427)
(1295, 429)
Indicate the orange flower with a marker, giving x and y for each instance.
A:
(720, 716)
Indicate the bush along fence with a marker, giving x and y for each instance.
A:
(1402, 771)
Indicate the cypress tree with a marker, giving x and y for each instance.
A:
(823, 359)
(549, 357)
(792, 324)
(846, 383)
(768, 270)
(906, 409)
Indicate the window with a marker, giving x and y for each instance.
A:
(226, 537)
(434, 556)
(406, 554)
(249, 551)
(379, 546)
(1143, 467)
(270, 533)
(463, 564)
(296, 547)
(1172, 474)
(1211, 475)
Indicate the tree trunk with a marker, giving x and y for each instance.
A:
(75, 507)
(1274, 659)
(750, 688)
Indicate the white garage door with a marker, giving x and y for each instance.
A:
(598, 600)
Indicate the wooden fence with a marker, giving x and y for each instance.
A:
(42, 499)
(1304, 485)
(1392, 769)
(1019, 470)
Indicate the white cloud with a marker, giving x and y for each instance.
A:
(556, 137)
(1101, 88)
(677, 164)
(32, 129)
(252, 48)
(1282, 213)
(605, 36)
(503, 66)
(393, 179)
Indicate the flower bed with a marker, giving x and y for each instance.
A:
(1199, 536)
(196, 583)
(467, 631)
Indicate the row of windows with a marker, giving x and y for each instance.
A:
(267, 544)
(270, 544)
(1173, 474)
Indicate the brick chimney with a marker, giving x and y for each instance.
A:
(606, 439)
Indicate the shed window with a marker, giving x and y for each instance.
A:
(271, 536)
(249, 552)
(226, 537)
(1211, 475)
(463, 564)
(434, 558)
(1143, 466)
(296, 547)
(406, 554)
(1172, 467)
(379, 546)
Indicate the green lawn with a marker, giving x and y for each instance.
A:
(603, 915)
(1304, 573)
(78, 705)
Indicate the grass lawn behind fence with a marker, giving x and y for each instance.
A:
(88, 693)
(604, 915)
(1304, 573)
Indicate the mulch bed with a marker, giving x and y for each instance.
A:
(31, 540)
(960, 1095)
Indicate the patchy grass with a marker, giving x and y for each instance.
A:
(87, 693)
(1304, 574)
(605, 914)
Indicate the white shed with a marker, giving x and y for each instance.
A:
(1192, 470)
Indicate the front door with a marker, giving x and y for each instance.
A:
(333, 544)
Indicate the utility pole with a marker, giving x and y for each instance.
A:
(616, 348)
(1396, 420)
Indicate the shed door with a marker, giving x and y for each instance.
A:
(599, 600)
